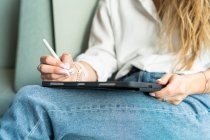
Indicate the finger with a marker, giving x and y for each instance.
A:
(162, 93)
(48, 69)
(44, 78)
(67, 60)
(164, 80)
(51, 76)
(65, 79)
(49, 60)
(176, 100)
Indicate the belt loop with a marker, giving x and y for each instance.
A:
(141, 74)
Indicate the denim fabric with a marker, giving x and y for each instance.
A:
(40, 113)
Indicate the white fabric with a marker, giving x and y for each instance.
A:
(125, 34)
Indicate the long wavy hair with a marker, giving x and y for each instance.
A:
(191, 20)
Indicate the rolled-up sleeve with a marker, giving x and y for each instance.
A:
(100, 54)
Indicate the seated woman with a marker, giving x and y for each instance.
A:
(162, 41)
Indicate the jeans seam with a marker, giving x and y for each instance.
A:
(61, 137)
(33, 129)
(129, 109)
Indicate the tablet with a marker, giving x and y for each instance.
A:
(139, 86)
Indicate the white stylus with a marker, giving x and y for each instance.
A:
(47, 45)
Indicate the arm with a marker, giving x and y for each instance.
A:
(101, 52)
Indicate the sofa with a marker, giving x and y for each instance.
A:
(23, 24)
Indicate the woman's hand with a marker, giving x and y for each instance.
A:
(65, 69)
(178, 87)
(54, 70)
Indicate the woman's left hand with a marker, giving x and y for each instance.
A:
(176, 90)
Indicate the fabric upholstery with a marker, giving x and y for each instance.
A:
(9, 13)
(9, 17)
(35, 24)
(72, 20)
(6, 88)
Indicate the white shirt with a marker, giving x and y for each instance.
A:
(125, 34)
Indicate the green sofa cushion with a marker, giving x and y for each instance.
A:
(35, 24)
(72, 20)
(9, 13)
(6, 89)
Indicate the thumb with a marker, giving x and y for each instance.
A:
(164, 80)
(67, 60)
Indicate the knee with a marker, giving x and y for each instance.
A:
(28, 92)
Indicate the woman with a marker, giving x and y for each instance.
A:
(160, 41)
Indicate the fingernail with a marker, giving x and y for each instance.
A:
(67, 66)
(65, 72)
(152, 94)
(159, 80)
(63, 66)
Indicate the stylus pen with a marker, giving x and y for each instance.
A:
(47, 45)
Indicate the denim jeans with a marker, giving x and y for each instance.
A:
(40, 113)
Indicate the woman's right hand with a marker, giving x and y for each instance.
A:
(52, 69)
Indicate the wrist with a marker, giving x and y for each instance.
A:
(91, 74)
(84, 72)
(196, 83)
(206, 89)
(81, 72)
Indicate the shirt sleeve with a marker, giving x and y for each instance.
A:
(100, 54)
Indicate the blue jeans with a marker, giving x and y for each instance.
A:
(70, 114)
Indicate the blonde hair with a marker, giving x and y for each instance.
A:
(191, 18)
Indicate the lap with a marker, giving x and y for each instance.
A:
(192, 105)
(119, 114)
